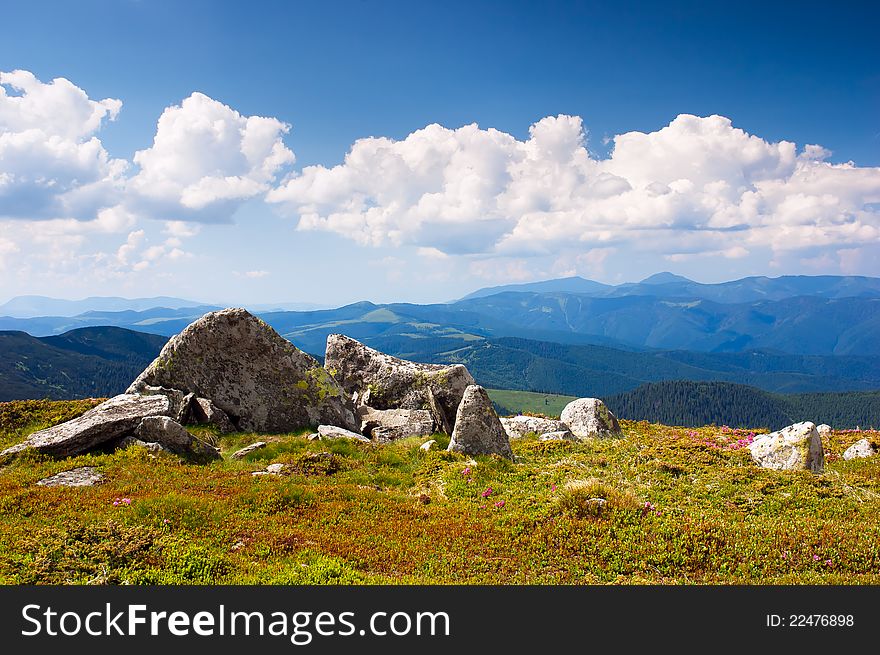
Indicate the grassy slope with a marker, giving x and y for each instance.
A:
(393, 514)
(519, 402)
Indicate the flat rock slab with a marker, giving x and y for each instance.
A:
(173, 436)
(247, 450)
(334, 432)
(112, 419)
(385, 425)
(261, 381)
(477, 429)
(589, 418)
(796, 447)
(860, 449)
(85, 476)
(519, 426)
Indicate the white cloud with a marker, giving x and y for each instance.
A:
(255, 274)
(698, 185)
(206, 159)
(51, 164)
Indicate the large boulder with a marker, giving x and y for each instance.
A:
(796, 447)
(385, 382)
(173, 436)
(590, 417)
(478, 431)
(519, 426)
(111, 420)
(260, 380)
(384, 425)
(861, 448)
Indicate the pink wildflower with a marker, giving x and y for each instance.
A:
(500, 503)
(487, 493)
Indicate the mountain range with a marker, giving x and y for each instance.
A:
(823, 315)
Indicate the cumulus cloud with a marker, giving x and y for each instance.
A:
(205, 160)
(697, 185)
(51, 164)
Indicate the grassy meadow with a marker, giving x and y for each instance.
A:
(664, 505)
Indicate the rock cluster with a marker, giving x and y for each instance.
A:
(242, 366)
(381, 381)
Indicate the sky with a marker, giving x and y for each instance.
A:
(331, 152)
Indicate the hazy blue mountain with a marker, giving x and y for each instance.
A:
(561, 285)
(157, 320)
(668, 285)
(32, 306)
(90, 362)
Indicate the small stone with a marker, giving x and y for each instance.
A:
(274, 469)
(85, 476)
(559, 435)
(824, 430)
(333, 432)
(861, 448)
(175, 437)
(314, 436)
(429, 445)
(247, 450)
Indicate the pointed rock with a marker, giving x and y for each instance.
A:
(589, 418)
(478, 431)
(394, 383)
(796, 447)
(258, 378)
(112, 419)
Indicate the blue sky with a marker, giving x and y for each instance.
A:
(711, 198)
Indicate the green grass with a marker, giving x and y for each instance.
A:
(569, 513)
(521, 402)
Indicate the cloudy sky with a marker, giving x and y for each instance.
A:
(327, 152)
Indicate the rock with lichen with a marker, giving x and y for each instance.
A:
(590, 418)
(796, 447)
(478, 431)
(385, 382)
(257, 378)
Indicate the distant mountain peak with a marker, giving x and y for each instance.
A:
(664, 278)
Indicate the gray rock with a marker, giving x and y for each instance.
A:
(112, 419)
(385, 425)
(259, 379)
(275, 469)
(247, 450)
(519, 426)
(477, 429)
(152, 446)
(588, 418)
(824, 430)
(796, 447)
(334, 432)
(171, 434)
(314, 436)
(559, 435)
(385, 382)
(861, 448)
(429, 445)
(202, 411)
(85, 476)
